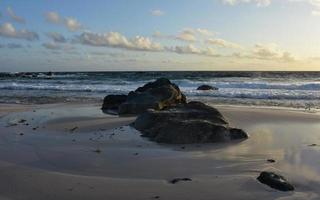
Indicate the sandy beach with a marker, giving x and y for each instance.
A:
(74, 151)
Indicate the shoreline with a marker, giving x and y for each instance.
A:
(62, 163)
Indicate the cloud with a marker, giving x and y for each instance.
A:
(14, 46)
(117, 40)
(260, 3)
(14, 16)
(187, 35)
(52, 46)
(191, 49)
(157, 13)
(267, 52)
(223, 43)
(56, 37)
(52, 17)
(70, 23)
(205, 32)
(11, 46)
(9, 31)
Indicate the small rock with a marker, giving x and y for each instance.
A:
(73, 129)
(97, 151)
(176, 180)
(22, 121)
(207, 87)
(275, 181)
(271, 160)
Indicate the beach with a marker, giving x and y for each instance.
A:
(75, 151)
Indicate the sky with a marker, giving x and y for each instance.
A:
(147, 35)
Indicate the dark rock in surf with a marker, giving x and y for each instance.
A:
(189, 123)
(275, 181)
(207, 87)
(156, 95)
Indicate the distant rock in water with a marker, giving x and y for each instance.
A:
(156, 95)
(207, 87)
(112, 102)
(189, 123)
(275, 181)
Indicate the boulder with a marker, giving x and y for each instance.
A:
(189, 123)
(275, 181)
(112, 102)
(207, 87)
(156, 95)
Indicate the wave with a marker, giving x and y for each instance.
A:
(234, 87)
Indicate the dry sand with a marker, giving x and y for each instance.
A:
(76, 152)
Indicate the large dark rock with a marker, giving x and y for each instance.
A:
(112, 102)
(189, 123)
(275, 181)
(207, 87)
(156, 95)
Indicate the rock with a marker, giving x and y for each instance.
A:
(176, 180)
(49, 73)
(189, 123)
(207, 87)
(271, 160)
(156, 95)
(275, 181)
(112, 102)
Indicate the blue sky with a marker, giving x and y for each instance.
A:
(73, 35)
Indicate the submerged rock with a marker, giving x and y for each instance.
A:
(207, 87)
(189, 123)
(275, 181)
(156, 95)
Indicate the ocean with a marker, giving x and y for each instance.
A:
(280, 89)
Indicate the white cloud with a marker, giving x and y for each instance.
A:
(187, 35)
(56, 37)
(70, 23)
(259, 3)
(52, 17)
(117, 40)
(267, 52)
(8, 30)
(262, 3)
(14, 16)
(191, 49)
(223, 43)
(157, 13)
(205, 32)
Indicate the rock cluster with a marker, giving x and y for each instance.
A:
(165, 116)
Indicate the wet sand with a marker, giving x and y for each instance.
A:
(74, 151)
